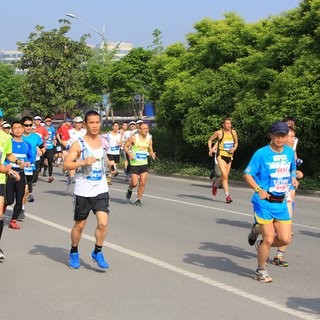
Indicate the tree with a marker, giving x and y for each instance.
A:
(157, 44)
(11, 99)
(55, 69)
(130, 77)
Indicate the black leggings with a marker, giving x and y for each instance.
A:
(15, 191)
(49, 155)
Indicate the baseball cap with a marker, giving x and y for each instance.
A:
(68, 120)
(279, 127)
(139, 121)
(37, 118)
(5, 124)
(132, 122)
(77, 119)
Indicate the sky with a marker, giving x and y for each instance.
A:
(126, 20)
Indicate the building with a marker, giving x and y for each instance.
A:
(122, 48)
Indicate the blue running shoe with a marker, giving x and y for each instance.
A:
(74, 260)
(99, 259)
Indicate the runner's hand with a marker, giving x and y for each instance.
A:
(90, 161)
(263, 194)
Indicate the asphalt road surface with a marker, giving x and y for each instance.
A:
(183, 255)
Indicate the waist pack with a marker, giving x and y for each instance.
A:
(275, 199)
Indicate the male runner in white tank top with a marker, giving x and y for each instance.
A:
(91, 190)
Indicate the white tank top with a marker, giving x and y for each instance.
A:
(95, 182)
(113, 140)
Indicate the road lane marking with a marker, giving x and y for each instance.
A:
(191, 275)
(212, 208)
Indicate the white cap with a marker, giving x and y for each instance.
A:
(139, 121)
(37, 118)
(132, 122)
(6, 124)
(77, 119)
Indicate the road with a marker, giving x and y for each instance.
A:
(183, 255)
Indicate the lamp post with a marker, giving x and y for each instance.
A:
(71, 15)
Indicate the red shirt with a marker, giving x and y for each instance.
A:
(43, 132)
(64, 132)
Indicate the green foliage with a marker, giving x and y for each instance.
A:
(56, 69)
(11, 99)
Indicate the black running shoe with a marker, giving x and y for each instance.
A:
(129, 193)
(253, 234)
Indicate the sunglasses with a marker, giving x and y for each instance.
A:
(28, 125)
(48, 121)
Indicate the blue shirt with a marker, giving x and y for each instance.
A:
(23, 151)
(35, 141)
(272, 172)
(52, 132)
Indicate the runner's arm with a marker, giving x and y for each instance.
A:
(127, 145)
(152, 153)
(70, 162)
(235, 146)
(210, 142)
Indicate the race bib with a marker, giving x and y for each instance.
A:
(58, 148)
(115, 148)
(140, 156)
(28, 171)
(227, 145)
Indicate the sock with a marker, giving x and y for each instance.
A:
(227, 194)
(59, 160)
(280, 253)
(1, 227)
(74, 249)
(22, 207)
(97, 249)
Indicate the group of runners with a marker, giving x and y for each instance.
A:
(29, 148)
(272, 173)
(91, 159)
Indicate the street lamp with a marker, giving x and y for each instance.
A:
(71, 15)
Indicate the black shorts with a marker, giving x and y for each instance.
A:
(114, 157)
(138, 169)
(2, 190)
(227, 160)
(83, 205)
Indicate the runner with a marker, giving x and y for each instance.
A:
(6, 127)
(215, 172)
(114, 139)
(269, 173)
(228, 144)
(75, 133)
(37, 147)
(15, 189)
(126, 135)
(49, 154)
(86, 156)
(140, 145)
(5, 153)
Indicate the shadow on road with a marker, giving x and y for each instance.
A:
(120, 201)
(59, 255)
(192, 196)
(307, 305)
(218, 263)
(59, 193)
(207, 186)
(229, 250)
(234, 223)
(310, 234)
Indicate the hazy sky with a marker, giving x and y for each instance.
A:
(126, 20)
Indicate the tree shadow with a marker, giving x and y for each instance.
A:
(192, 196)
(306, 305)
(234, 223)
(218, 263)
(229, 250)
(60, 255)
(310, 234)
(201, 185)
(120, 201)
(59, 193)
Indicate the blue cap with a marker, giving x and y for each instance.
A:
(68, 120)
(1, 114)
(279, 127)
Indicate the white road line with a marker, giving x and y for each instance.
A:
(182, 272)
(212, 208)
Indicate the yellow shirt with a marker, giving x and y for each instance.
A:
(226, 144)
(5, 148)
